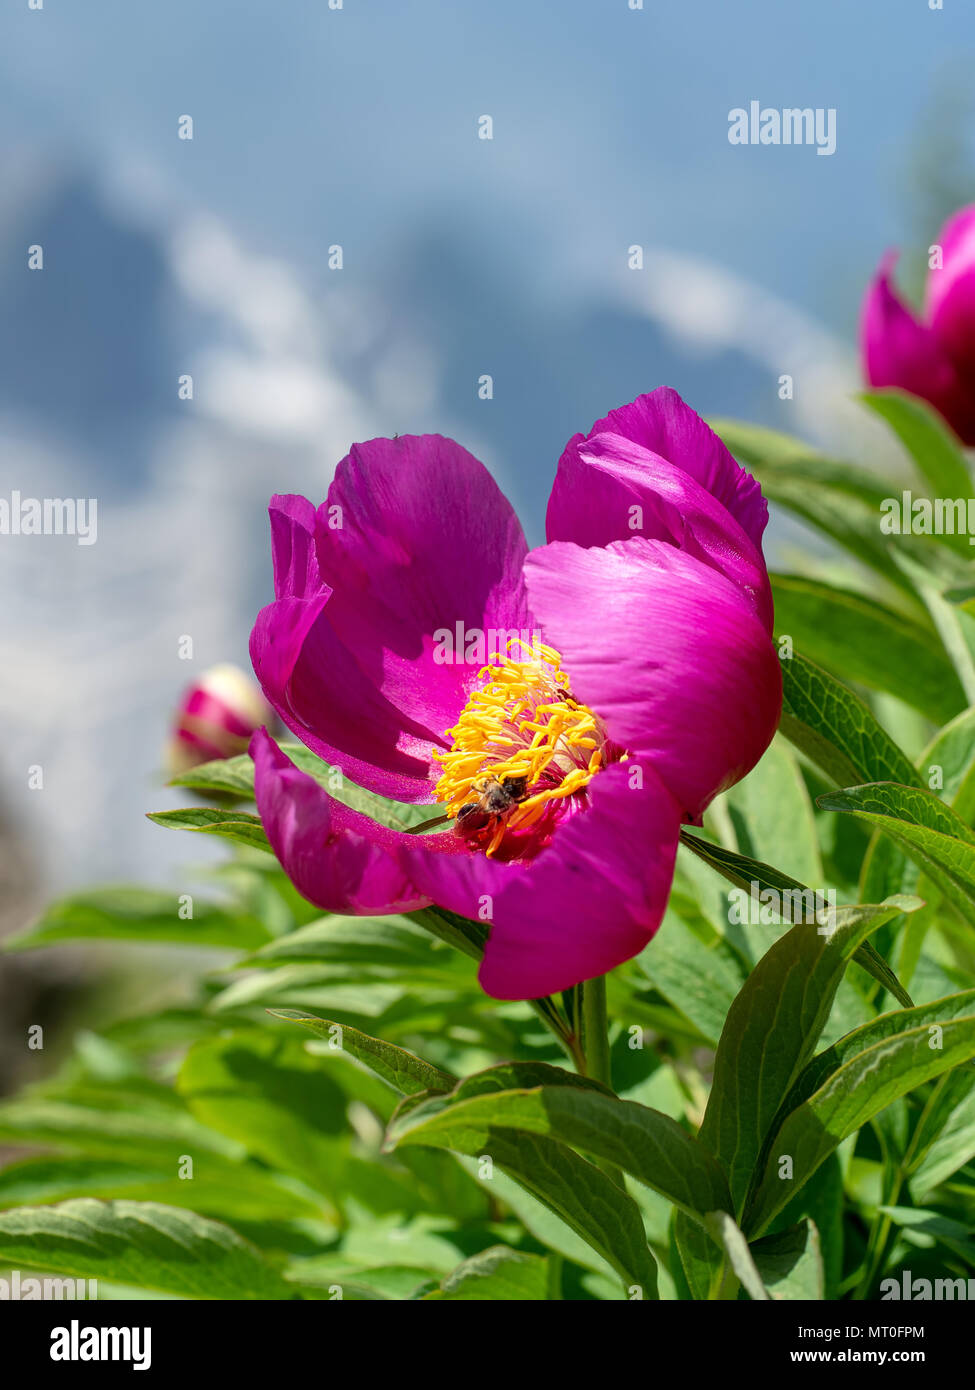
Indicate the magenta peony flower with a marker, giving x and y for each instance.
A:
(216, 718)
(934, 359)
(568, 707)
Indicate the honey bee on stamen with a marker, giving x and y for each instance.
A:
(495, 801)
(483, 818)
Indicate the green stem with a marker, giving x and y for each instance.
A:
(594, 1030)
(548, 1012)
(554, 1279)
(879, 1239)
(593, 1039)
(876, 1253)
(727, 1283)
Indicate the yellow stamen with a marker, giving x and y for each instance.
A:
(523, 723)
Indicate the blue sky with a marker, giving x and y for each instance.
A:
(314, 125)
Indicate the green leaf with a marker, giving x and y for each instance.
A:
(773, 815)
(735, 1246)
(770, 454)
(461, 933)
(836, 498)
(142, 1244)
(555, 1192)
(102, 1123)
(539, 1218)
(219, 1186)
(409, 1265)
(368, 948)
(236, 777)
(859, 1089)
(744, 872)
(953, 751)
(950, 755)
(226, 776)
(265, 1091)
(700, 979)
(496, 1274)
(930, 444)
(945, 1136)
(239, 826)
(522, 1076)
(790, 1263)
(924, 827)
(822, 1067)
(953, 1235)
(405, 1073)
(823, 1202)
(702, 1262)
(307, 988)
(771, 1031)
(160, 1031)
(138, 914)
(798, 901)
(868, 643)
(836, 730)
(649, 1145)
(582, 1196)
(873, 962)
(953, 618)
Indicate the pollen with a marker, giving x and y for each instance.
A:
(522, 722)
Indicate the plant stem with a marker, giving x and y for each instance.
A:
(594, 1030)
(593, 1039)
(554, 1280)
(876, 1253)
(548, 1012)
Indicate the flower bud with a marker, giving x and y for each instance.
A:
(216, 718)
(931, 355)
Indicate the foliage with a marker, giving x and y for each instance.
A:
(341, 1112)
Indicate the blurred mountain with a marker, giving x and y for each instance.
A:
(85, 349)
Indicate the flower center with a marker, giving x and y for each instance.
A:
(523, 745)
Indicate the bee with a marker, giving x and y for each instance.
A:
(495, 801)
(483, 817)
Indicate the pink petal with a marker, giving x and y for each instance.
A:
(327, 700)
(669, 652)
(293, 547)
(588, 902)
(315, 684)
(899, 351)
(426, 541)
(337, 858)
(950, 293)
(418, 540)
(663, 425)
(611, 488)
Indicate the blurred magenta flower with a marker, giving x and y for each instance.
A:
(568, 707)
(933, 357)
(216, 718)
